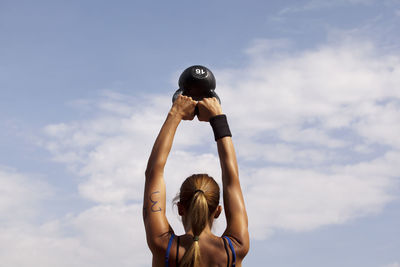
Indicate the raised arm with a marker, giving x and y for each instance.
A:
(235, 210)
(155, 221)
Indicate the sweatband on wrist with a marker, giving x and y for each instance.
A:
(220, 126)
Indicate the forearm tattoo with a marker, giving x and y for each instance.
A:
(154, 208)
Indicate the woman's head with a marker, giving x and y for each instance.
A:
(198, 203)
(199, 188)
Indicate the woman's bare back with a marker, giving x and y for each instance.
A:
(214, 251)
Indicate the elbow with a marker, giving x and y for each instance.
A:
(245, 249)
(244, 244)
(242, 241)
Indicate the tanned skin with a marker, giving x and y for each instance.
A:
(158, 230)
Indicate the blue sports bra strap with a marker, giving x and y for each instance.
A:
(227, 251)
(233, 251)
(168, 249)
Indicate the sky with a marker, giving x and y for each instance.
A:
(310, 89)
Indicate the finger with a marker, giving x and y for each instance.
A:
(184, 97)
(201, 103)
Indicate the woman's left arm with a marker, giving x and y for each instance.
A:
(155, 220)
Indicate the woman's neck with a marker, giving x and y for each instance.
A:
(206, 230)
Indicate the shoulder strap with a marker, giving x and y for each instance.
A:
(168, 249)
(227, 251)
(232, 249)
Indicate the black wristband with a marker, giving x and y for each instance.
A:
(220, 126)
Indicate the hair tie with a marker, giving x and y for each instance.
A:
(198, 190)
(196, 238)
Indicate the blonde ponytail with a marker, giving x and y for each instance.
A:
(198, 216)
(202, 192)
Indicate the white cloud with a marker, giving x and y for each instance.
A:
(302, 200)
(20, 196)
(381, 125)
(114, 233)
(311, 116)
(102, 236)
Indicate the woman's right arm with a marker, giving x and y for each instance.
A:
(235, 210)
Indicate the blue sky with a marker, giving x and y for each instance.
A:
(311, 90)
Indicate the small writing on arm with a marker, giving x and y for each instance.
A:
(154, 202)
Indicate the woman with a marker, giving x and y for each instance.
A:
(198, 198)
